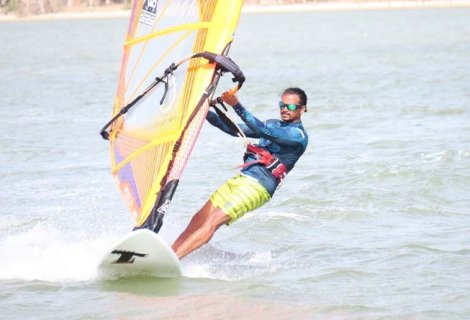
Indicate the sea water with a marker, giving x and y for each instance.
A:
(373, 222)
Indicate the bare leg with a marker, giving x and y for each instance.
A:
(200, 229)
(195, 223)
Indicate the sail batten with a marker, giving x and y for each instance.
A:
(146, 147)
(175, 29)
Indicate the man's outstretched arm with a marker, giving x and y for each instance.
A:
(291, 137)
(216, 121)
(287, 136)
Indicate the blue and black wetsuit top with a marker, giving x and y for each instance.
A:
(285, 140)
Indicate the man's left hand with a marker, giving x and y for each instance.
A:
(230, 98)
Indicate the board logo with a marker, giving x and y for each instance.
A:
(127, 256)
(148, 15)
(164, 207)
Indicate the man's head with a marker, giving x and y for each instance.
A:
(293, 103)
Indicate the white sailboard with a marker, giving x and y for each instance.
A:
(140, 252)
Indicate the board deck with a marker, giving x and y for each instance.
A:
(141, 252)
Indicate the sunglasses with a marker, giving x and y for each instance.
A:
(289, 106)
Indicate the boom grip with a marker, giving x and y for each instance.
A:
(226, 64)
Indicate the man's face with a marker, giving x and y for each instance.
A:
(291, 115)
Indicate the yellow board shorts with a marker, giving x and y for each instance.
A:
(239, 195)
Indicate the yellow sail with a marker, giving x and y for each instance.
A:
(151, 143)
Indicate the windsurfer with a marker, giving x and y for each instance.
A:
(281, 143)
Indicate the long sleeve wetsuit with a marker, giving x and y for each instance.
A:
(285, 140)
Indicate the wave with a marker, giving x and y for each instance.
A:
(47, 253)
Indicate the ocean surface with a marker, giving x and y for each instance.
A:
(373, 222)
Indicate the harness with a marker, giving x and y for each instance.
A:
(264, 157)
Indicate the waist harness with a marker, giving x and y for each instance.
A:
(264, 157)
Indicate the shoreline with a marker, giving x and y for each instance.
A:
(351, 5)
(322, 6)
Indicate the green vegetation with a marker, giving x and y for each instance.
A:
(36, 7)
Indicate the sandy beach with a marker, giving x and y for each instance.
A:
(118, 12)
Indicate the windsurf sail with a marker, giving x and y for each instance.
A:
(174, 53)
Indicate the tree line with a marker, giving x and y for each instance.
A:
(34, 7)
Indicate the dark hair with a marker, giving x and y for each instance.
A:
(299, 92)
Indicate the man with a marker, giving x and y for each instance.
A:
(281, 143)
